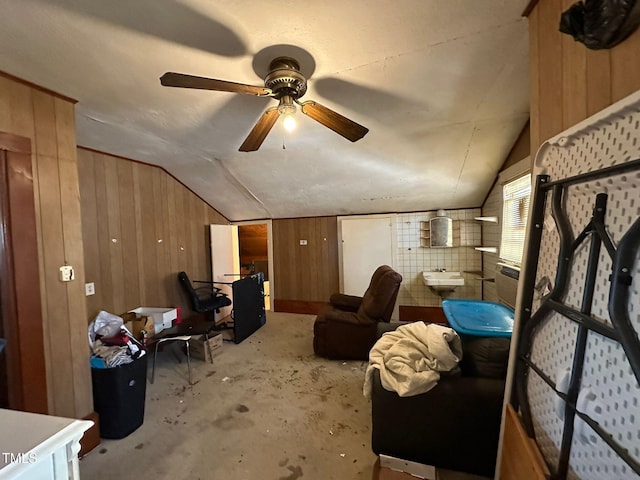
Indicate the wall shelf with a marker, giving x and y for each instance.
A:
(425, 234)
(487, 249)
(478, 273)
(487, 219)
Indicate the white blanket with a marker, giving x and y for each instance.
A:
(411, 358)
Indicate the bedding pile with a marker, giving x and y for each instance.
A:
(412, 357)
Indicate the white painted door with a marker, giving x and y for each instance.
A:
(225, 260)
(367, 243)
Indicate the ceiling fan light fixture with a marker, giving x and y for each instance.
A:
(286, 105)
(287, 109)
(289, 122)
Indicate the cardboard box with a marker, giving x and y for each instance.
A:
(392, 468)
(198, 347)
(162, 317)
(136, 325)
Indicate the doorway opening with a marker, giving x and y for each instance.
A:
(254, 245)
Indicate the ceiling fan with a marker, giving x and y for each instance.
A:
(285, 83)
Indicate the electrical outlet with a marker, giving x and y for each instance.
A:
(303, 242)
(89, 289)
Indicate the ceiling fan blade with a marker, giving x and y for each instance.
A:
(172, 79)
(260, 130)
(333, 120)
(158, 18)
(357, 98)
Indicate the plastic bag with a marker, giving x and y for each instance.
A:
(601, 23)
(105, 324)
(111, 342)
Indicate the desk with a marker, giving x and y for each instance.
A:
(180, 333)
(38, 447)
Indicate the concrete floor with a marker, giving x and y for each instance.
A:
(267, 408)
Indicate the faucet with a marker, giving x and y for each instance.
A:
(441, 270)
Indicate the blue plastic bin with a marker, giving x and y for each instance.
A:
(479, 317)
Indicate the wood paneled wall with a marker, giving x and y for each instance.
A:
(568, 81)
(140, 228)
(48, 121)
(305, 273)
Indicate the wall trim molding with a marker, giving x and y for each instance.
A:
(529, 8)
(91, 437)
(37, 87)
(298, 306)
(22, 316)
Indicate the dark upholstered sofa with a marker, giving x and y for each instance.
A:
(455, 425)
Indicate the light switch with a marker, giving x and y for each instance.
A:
(66, 273)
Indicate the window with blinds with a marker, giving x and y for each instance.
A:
(515, 210)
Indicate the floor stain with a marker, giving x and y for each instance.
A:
(139, 446)
(229, 421)
(283, 462)
(103, 450)
(296, 472)
(316, 373)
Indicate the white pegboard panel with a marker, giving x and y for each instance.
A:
(597, 462)
(608, 376)
(548, 257)
(610, 138)
(553, 345)
(547, 425)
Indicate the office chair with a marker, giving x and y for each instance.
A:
(205, 299)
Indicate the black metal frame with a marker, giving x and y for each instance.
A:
(621, 331)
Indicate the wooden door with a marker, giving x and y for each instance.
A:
(225, 260)
(366, 243)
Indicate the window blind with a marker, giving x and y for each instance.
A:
(515, 211)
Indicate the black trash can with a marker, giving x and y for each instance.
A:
(118, 397)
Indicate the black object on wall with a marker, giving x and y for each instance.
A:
(601, 24)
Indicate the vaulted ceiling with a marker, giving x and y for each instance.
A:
(442, 86)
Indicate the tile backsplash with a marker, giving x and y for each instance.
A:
(412, 258)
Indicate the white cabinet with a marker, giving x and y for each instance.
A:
(39, 447)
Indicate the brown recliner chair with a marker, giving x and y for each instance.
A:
(347, 327)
